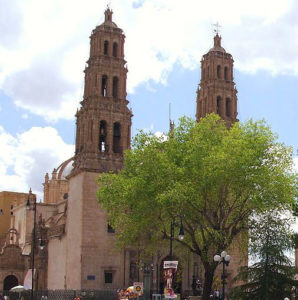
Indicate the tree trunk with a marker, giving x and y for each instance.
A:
(208, 280)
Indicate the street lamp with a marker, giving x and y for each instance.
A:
(180, 235)
(42, 243)
(293, 292)
(147, 268)
(223, 258)
(32, 206)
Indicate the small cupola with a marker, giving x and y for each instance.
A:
(217, 40)
(108, 18)
(108, 15)
(217, 44)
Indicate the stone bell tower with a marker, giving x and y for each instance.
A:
(217, 92)
(104, 120)
(103, 133)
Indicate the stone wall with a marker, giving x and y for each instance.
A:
(12, 262)
(57, 253)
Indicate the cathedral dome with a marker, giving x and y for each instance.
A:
(65, 169)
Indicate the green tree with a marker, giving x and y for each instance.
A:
(271, 277)
(211, 177)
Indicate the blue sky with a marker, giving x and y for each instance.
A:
(43, 49)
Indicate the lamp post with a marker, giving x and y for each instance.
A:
(293, 292)
(32, 206)
(223, 258)
(180, 235)
(147, 268)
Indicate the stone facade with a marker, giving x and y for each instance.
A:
(80, 251)
(13, 263)
(94, 248)
(8, 201)
(103, 133)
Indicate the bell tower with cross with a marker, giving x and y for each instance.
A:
(216, 92)
(102, 136)
(104, 120)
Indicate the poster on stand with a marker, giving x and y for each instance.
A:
(138, 288)
(169, 270)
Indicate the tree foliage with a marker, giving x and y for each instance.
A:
(210, 177)
(271, 277)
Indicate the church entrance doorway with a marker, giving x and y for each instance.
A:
(9, 282)
(177, 279)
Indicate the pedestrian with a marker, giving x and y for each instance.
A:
(216, 294)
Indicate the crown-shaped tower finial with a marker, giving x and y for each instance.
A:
(217, 40)
(108, 14)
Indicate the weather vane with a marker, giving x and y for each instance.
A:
(216, 28)
(109, 3)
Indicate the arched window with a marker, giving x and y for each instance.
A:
(103, 136)
(115, 87)
(226, 73)
(133, 271)
(115, 49)
(106, 48)
(228, 107)
(218, 72)
(104, 85)
(117, 138)
(218, 102)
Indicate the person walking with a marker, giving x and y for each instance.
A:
(216, 294)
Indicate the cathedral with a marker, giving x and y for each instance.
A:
(78, 245)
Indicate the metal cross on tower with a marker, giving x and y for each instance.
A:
(109, 3)
(216, 28)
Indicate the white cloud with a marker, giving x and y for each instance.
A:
(161, 135)
(26, 158)
(42, 90)
(43, 50)
(10, 22)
